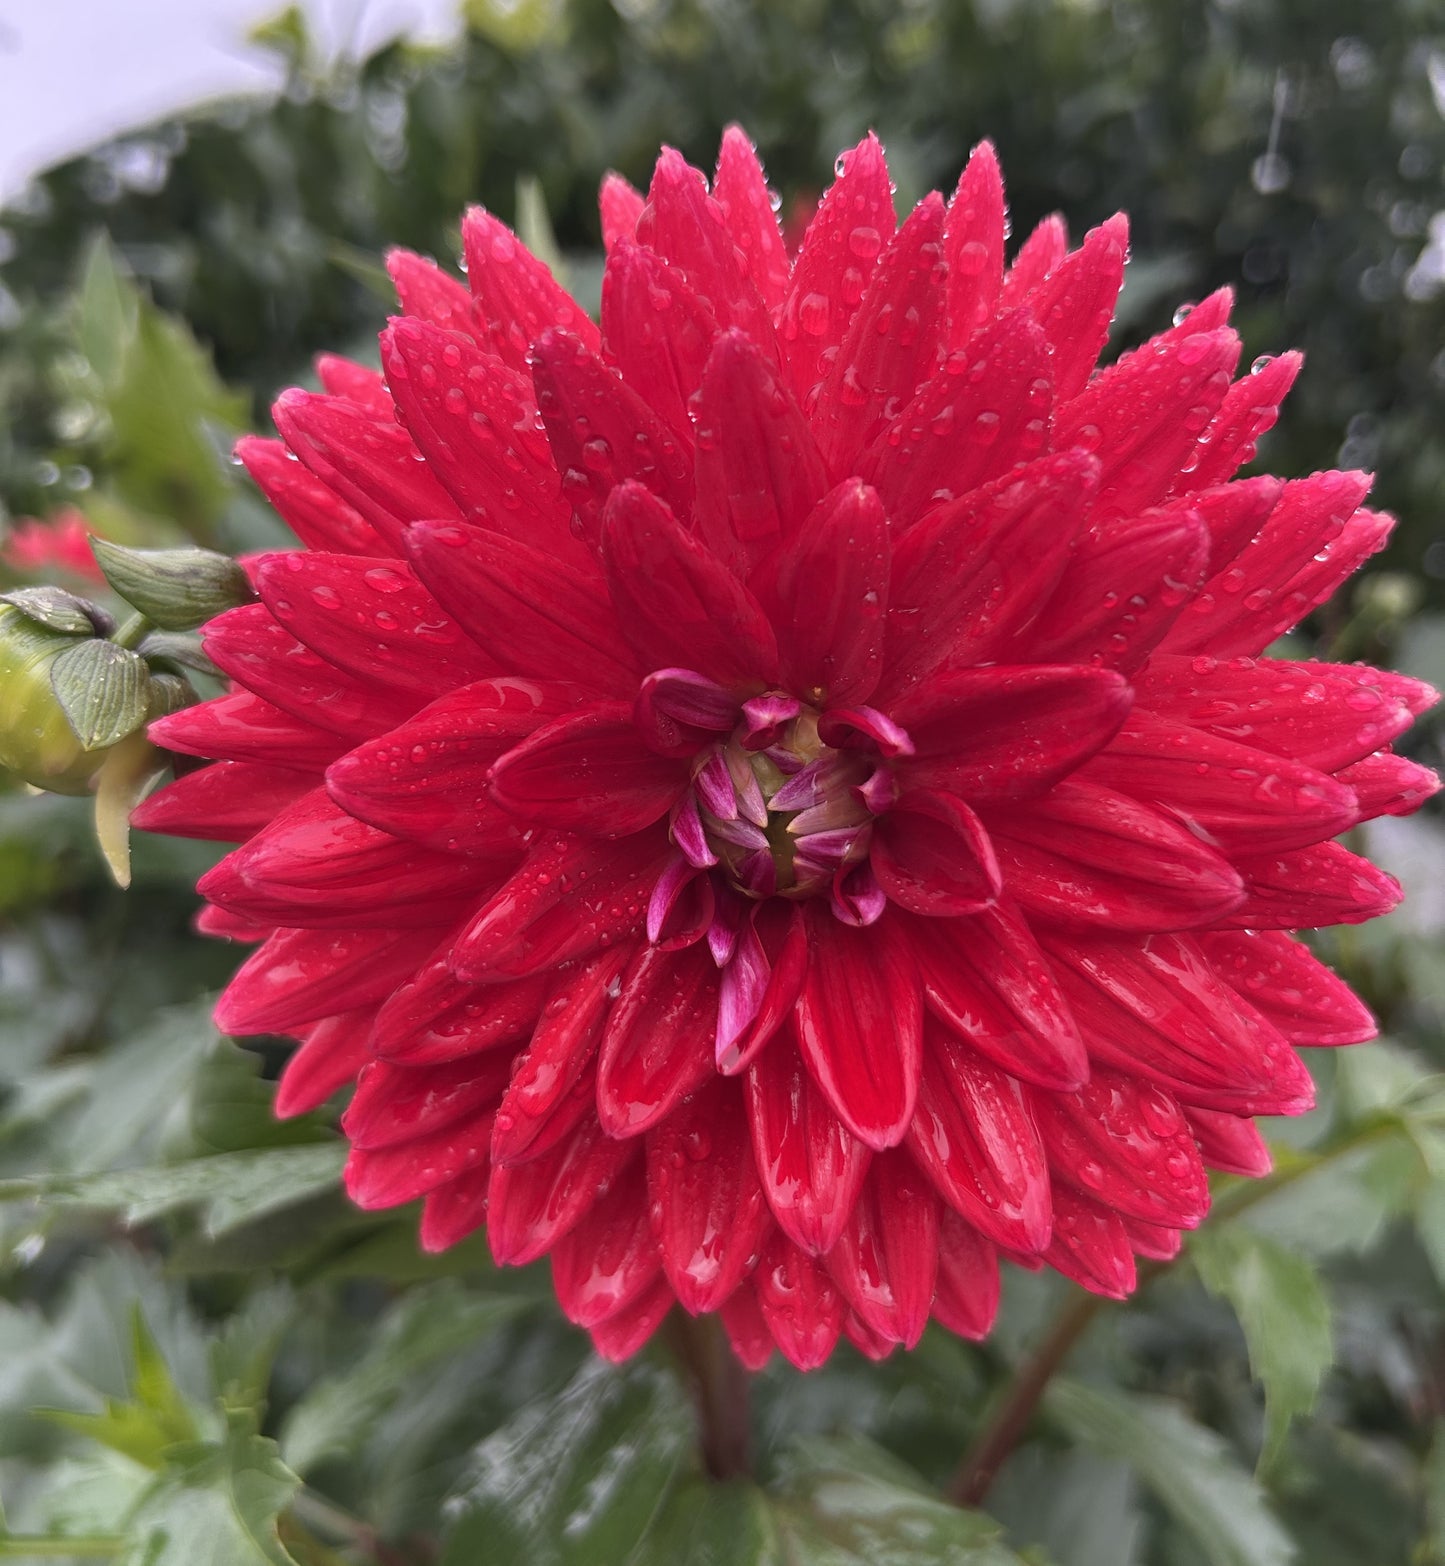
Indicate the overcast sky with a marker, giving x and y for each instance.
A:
(75, 71)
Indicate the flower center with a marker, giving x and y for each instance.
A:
(782, 813)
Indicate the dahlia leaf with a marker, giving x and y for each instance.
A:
(1190, 1469)
(219, 1502)
(229, 1188)
(845, 1502)
(1285, 1313)
(576, 1479)
(337, 1413)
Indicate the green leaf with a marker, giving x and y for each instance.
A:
(107, 309)
(1190, 1469)
(154, 1419)
(846, 1502)
(1285, 1313)
(218, 1503)
(574, 1480)
(101, 689)
(55, 609)
(229, 1188)
(337, 1413)
(1079, 1508)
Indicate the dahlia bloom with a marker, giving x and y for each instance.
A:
(778, 802)
(33, 547)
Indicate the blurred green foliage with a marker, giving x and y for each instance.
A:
(205, 1353)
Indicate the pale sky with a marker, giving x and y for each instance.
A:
(75, 71)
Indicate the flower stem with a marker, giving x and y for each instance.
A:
(719, 1387)
(1011, 1417)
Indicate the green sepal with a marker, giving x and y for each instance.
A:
(175, 589)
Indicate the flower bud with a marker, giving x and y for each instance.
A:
(176, 589)
(36, 739)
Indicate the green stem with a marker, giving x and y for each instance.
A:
(132, 632)
(1013, 1413)
(720, 1391)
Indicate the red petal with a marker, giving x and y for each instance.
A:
(657, 330)
(982, 414)
(741, 191)
(677, 603)
(1326, 714)
(570, 897)
(1386, 785)
(1003, 732)
(517, 294)
(932, 856)
(254, 650)
(531, 1206)
(860, 1025)
(799, 1302)
(975, 572)
(892, 345)
(334, 1050)
(315, 867)
(475, 422)
(1091, 1246)
(436, 1018)
(533, 613)
(426, 780)
(431, 295)
(1292, 988)
(1253, 599)
(345, 378)
(245, 728)
(553, 1084)
(975, 1139)
(1040, 254)
(886, 1259)
(657, 1045)
(608, 1261)
(370, 462)
(1084, 855)
(372, 619)
(1124, 587)
(973, 237)
(780, 931)
(1233, 796)
(708, 1209)
(621, 1336)
(1151, 1241)
(1155, 1008)
(454, 1210)
(967, 1289)
(387, 1176)
(1143, 415)
(224, 803)
(602, 432)
(989, 980)
(1233, 513)
(811, 1167)
(1249, 409)
(621, 206)
(404, 1104)
(682, 223)
(1310, 887)
(588, 772)
(301, 976)
(826, 590)
(1075, 304)
(315, 513)
(853, 222)
(746, 1329)
(1230, 1143)
(759, 474)
(1125, 1144)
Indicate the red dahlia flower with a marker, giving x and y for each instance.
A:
(779, 801)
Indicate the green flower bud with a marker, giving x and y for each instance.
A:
(37, 742)
(175, 589)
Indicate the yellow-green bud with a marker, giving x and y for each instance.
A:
(37, 742)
